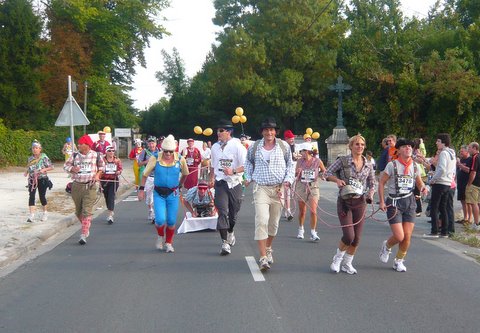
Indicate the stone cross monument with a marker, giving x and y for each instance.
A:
(337, 143)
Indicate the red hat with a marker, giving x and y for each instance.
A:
(288, 134)
(85, 140)
(202, 184)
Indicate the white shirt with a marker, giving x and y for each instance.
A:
(232, 155)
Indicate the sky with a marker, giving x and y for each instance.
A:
(193, 33)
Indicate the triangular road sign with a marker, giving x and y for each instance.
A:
(65, 116)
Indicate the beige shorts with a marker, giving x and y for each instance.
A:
(268, 209)
(472, 194)
(305, 192)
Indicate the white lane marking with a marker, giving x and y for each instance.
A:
(252, 264)
(130, 198)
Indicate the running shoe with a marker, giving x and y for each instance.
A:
(476, 227)
(169, 248)
(30, 218)
(44, 217)
(269, 255)
(110, 219)
(83, 239)
(384, 252)
(398, 265)
(289, 217)
(263, 263)
(314, 236)
(159, 243)
(226, 250)
(151, 215)
(300, 233)
(336, 262)
(430, 235)
(348, 268)
(231, 238)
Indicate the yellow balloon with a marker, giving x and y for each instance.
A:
(243, 119)
(315, 135)
(306, 135)
(239, 111)
(107, 129)
(197, 130)
(309, 131)
(235, 119)
(207, 131)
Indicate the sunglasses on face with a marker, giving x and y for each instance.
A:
(168, 151)
(221, 130)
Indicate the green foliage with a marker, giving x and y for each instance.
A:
(15, 145)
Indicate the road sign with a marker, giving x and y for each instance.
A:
(71, 114)
(123, 132)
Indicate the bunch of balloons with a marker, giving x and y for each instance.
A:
(239, 117)
(107, 129)
(309, 133)
(207, 131)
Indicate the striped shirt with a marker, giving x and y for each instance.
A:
(279, 168)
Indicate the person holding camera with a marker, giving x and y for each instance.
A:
(355, 177)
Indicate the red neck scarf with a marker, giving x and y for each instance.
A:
(405, 164)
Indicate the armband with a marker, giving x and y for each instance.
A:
(141, 188)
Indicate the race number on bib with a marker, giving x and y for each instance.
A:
(307, 176)
(85, 168)
(405, 184)
(110, 168)
(224, 163)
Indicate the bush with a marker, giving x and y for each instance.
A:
(15, 145)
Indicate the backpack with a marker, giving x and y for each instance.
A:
(255, 148)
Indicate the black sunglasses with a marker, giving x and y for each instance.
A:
(168, 151)
(221, 130)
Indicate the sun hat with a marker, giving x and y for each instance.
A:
(224, 123)
(169, 143)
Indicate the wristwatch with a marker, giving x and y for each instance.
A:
(234, 171)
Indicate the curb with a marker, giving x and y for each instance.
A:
(9, 255)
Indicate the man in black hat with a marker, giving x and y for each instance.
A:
(226, 171)
(269, 164)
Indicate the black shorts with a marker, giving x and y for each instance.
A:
(404, 210)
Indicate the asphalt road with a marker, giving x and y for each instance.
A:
(119, 282)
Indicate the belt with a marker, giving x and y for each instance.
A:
(395, 197)
(81, 182)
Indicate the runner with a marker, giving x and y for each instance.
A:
(269, 164)
(167, 168)
(68, 148)
(194, 159)
(143, 158)
(289, 138)
(100, 146)
(134, 153)
(353, 174)
(37, 167)
(227, 166)
(110, 181)
(86, 168)
(401, 176)
(306, 188)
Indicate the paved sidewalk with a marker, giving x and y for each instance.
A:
(18, 237)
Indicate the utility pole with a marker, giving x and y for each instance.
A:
(85, 107)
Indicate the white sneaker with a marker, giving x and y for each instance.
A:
(169, 248)
(83, 239)
(300, 233)
(151, 215)
(231, 238)
(336, 261)
(347, 266)
(225, 248)
(398, 265)
(110, 219)
(269, 255)
(30, 217)
(314, 236)
(159, 243)
(44, 217)
(476, 227)
(384, 252)
(263, 263)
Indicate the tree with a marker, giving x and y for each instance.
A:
(173, 76)
(20, 58)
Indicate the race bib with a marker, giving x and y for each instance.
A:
(307, 176)
(190, 161)
(110, 168)
(356, 185)
(85, 168)
(405, 184)
(225, 163)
